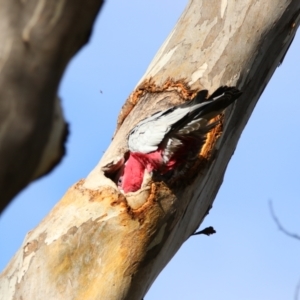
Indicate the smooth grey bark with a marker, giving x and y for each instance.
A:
(38, 38)
(97, 243)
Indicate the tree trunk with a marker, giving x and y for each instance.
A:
(32, 61)
(100, 244)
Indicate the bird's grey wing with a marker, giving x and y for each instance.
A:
(180, 121)
(147, 135)
(196, 124)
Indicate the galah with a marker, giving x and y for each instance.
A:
(169, 139)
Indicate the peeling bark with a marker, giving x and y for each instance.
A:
(32, 61)
(100, 244)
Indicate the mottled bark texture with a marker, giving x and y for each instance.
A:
(100, 244)
(37, 38)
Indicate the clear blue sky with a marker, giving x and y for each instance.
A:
(248, 258)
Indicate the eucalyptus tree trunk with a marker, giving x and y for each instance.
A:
(37, 40)
(97, 243)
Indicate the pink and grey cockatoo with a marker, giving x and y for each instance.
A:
(168, 139)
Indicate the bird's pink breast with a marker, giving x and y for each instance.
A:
(137, 163)
(135, 167)
(133, 174)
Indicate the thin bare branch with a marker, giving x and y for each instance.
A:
(280, 227)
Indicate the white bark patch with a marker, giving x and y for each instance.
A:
(162, 62)
(157, 63)
(8, 287)
(198, 74)
(25, 265)
(223, 7)
(15, 275)
(11, 287)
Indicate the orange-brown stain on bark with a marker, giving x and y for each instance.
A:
(149, 86)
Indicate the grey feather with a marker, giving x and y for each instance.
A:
(169, 128)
